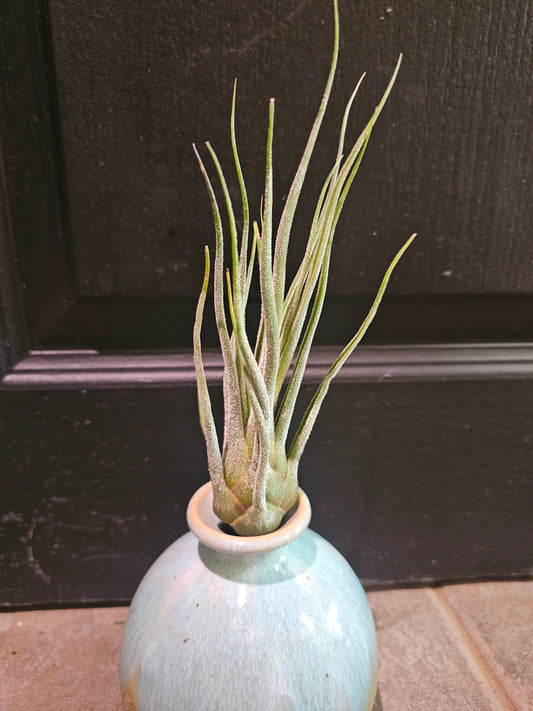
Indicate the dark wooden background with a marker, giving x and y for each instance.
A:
(420, 466)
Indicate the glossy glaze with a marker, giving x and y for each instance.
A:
(285, 629)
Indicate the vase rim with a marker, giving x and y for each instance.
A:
(205, 525)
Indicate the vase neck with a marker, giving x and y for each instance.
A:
(206, 526)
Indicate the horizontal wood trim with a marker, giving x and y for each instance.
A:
(418, 469)
(91, 369)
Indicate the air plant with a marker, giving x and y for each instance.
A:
(254, 476)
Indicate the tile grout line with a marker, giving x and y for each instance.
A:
(489, 674)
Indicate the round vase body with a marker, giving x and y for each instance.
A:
(216, 627)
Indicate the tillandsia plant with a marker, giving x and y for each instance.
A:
(254, 476)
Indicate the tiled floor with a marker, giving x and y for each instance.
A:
(456, 648)
(449, 649)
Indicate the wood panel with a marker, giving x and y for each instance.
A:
(450, 158)
(105, 211)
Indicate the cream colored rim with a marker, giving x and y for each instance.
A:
(205, 525)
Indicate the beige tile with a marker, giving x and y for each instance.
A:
(499, 619)
(423, 664)
(61, 660)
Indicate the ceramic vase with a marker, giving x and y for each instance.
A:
(221, 622)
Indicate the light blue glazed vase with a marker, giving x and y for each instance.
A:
(277, 622)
